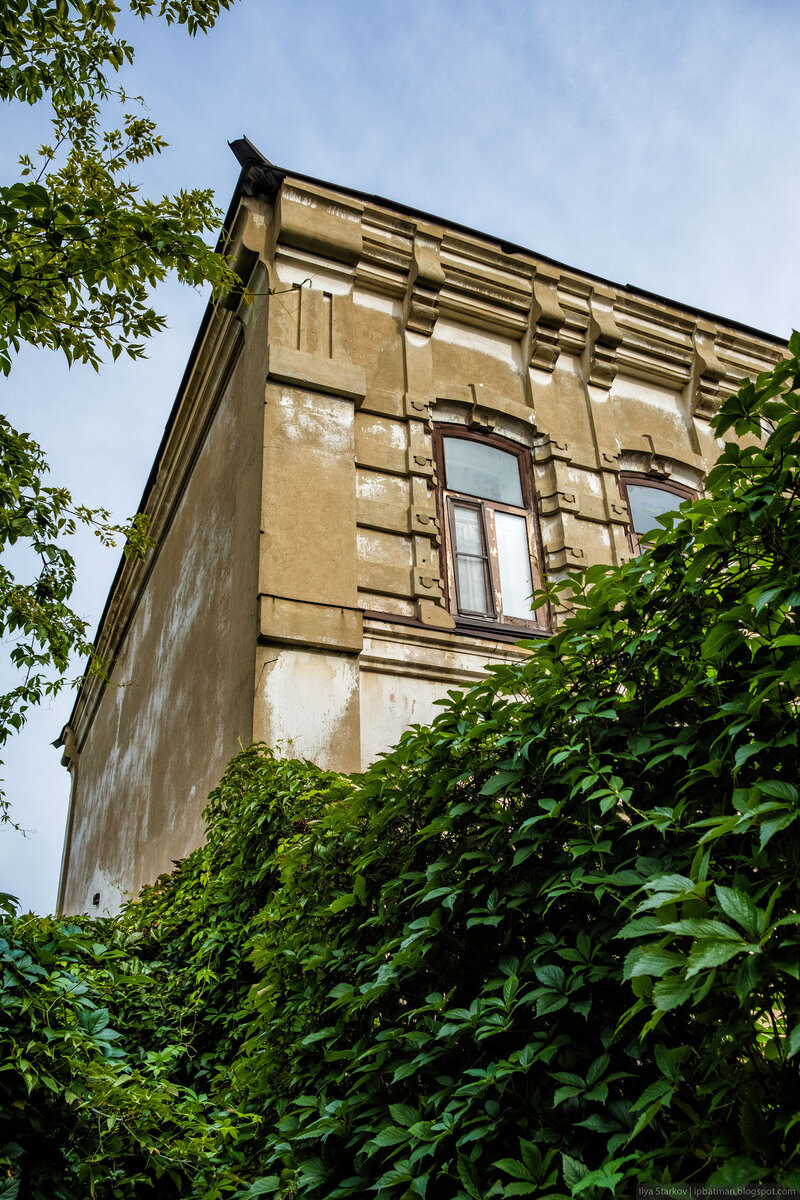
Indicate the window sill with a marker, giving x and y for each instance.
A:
(491, 631)
(497, 631)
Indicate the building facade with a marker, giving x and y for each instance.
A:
(371, 462)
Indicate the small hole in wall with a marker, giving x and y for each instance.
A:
(96, 900)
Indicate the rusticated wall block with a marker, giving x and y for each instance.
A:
(560, 558)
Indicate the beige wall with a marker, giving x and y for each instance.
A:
(184, 701)
(390, 325)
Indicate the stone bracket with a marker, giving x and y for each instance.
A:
(430, 612)
(545, 321)
(425, 523)
(417, 408)
(420, 464)
(603, 339)
(552, 448)
(559, 558)
(707, 372)
(425, 281)
(428, 585)
(559, 502)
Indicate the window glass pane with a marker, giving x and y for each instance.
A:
(647, 503)
(472, 589)
(515, 565)
(470, 559)
(469, 535)
(481, 470)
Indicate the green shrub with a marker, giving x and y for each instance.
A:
(547, 947)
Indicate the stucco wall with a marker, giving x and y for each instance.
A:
(184, 696)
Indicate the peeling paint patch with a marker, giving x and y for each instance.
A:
(322, 280)
(307, 698)
(386, 432)
(497, 347)
(310, 419)
(384, 548)
(648, 393)
(383, 304)
(388, 709)
(376, 486)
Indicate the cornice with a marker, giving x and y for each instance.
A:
(438, 269)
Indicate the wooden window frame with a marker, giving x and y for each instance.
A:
(469, 622)
(634, 479)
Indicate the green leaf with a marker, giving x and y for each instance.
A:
(265, 1185)
(779, 788)
(499, 782)
(574, 1170)
(741, 909)
(711, 953)
(390, 1136)
(769, 828)
(404, 1114)
(513, 1167)
(671, 992)
(651, 962)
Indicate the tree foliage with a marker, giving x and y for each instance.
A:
(547, 947)
(81, 250)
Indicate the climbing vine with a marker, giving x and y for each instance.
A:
(547, 947)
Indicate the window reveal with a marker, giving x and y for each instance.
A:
(490, 532)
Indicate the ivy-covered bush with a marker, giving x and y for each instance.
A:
(547, 947)
(88, 1102)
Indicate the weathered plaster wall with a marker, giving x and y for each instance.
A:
(160, 739)
(387, 325)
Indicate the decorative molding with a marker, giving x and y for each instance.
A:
(425, 280)
(69, 745)
(304, 623)
(604, 338)
(417, 408)
(559, 502)
(546, 319)
(707, 373)
(551, 448)
(386, 252)
(487, 406)
(560, 557)
(311, 218)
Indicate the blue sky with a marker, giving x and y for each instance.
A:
(651, 143)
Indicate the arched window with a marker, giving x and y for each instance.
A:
(490, 535)
(647, 500)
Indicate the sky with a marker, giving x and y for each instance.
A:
(653, 144)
